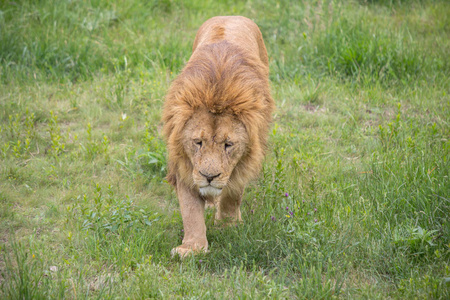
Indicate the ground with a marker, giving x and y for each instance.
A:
(354, 197)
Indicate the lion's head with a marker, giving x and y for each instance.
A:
(216, 117)
(214, 145)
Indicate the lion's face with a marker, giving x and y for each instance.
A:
(214, 145)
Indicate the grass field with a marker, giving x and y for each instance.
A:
(360, 144)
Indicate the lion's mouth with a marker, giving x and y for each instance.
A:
(210, 191)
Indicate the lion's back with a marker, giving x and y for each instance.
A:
(237, 30)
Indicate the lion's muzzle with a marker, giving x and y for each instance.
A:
(210, 185)
(210, 191)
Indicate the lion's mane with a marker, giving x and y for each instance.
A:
(222, 78)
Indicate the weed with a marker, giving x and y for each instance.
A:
(352, 200)
(19, 134)
(416, 240)
(57, 145)
(28, 276)
(104, 214)
(150, 160)
(92, 147)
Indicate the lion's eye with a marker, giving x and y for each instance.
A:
(198, 143)
(228, 145)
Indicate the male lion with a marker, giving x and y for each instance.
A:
(216, 118)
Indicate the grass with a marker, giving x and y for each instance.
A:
(359, 144)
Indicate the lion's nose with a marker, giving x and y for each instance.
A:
(209, 177)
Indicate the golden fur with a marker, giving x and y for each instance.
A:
(216, 118)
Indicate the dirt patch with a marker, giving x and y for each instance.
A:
(311, 108)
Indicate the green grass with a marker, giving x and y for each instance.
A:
(360, 142)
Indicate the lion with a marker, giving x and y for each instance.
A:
(216, 119)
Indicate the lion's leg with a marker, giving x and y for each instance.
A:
(228, 207)
(192, 211)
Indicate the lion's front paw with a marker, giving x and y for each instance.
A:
(185, 250)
